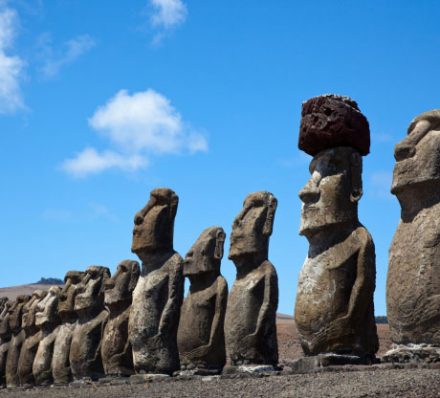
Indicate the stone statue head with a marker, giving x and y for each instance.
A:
(252, 227)
(47, 308)
(16, 312)
(154, 224)
(330, 197)
(30, 309)
(206, 253)
(91, 294)
(417, 165)
(72, 284)
(119, 288)
(4, 319)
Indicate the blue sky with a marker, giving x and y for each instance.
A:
(100, 103)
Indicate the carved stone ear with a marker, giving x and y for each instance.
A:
(134, 275)
(271, 208)
(219, 244)
(356, 177)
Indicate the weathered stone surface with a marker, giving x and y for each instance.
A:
(334, 310)
(5, 337)
(250, 330)
(330, 121)
(116, 349)
(413, 353)
(157, 298)
(46, 320)
(3, 303)
(200, 337)
(413, 282)
(85, 350)
(61, 371)
(17, 339)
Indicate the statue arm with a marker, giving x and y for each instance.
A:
(170, 313)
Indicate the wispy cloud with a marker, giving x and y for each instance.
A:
(54, 60)
(166, 15)
(381, 138)
(379, 184)
(137, 126)
(11, 66)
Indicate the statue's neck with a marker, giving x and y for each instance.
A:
(249, 262)
(414, 199)
(202, 281)
(154, 260)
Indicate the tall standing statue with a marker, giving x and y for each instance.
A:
(334, 310)
(250, 329)
(85, 350)
(61, 371)
(413, 283)
(157, 298)
(117, 356)
(32, 340)
(5, 337)
(46, 320)
(17, 339)
(200, 337)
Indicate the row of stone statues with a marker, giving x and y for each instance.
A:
(138, 322)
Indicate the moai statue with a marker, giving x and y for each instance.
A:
(16, 342)
(5, 337)
(46, 319)
(200, 336)
(32, 339)
(61, 371)
(3, 303)
(85, 350)
(157, 298)
(413, 282)
(334, 310)
(117, 356)
(250, 329)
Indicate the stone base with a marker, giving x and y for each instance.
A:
(147, 377)
(318, 362)
(413, 353)
(250, 369)
(198, 372)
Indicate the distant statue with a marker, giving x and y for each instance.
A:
(250, 329)
(117, 356)
(32, 340)
(200, 337)
(61, 371)
(46, 320)
(413, 283)
(334, 310)
(5, 338)
(157, 298)
(17, 339)
(85, 350)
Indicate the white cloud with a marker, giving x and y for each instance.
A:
(11, 67)
(168, 13)
(72, 50)
(137, 126)
(380, 184)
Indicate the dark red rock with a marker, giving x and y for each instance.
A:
(330, 121)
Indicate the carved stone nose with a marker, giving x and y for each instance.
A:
(309, 194)
(404, 151)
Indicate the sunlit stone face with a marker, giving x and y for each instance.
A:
(47, 308)
(30, 309)
(154, 224)
(72, 283)
(253, 225)
(206, 253)
(119, 288)
(92, 292)
(4, 320)
(329, 197)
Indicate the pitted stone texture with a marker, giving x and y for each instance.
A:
(17, 339)
(318, 362)
(413, 353)
(61, 371)
(116, 349)
(330, 121)
(32, 340)
(334, 310)
(250, 329)
(158, 296)
(46, 319)
(5, 337)
(200, 337)
(85, 351)
(413, 281)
